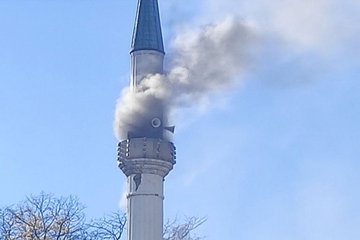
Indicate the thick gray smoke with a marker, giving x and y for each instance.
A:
(202, 62)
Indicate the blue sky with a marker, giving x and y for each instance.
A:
(275, 158)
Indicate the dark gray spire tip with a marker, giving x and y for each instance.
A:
(147, 33)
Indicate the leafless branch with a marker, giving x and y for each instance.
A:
(109, 227)
(173, 230)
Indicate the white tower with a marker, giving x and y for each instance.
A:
(146, 157)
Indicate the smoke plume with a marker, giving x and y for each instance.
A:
(202, 62)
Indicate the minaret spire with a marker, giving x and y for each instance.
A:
(147, 48)
(147, 33)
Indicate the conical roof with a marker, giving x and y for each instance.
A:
(147, 29)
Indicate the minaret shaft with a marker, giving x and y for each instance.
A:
(145, 162)
(145, 207)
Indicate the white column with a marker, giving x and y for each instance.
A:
(145, 207)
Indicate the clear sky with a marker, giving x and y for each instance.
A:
(275, 158)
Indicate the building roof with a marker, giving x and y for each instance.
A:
(147, 33)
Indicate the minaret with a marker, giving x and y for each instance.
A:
(146, 157)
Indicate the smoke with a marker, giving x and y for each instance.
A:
(202, 62)
(301, 41)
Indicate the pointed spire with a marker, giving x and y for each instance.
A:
(147, 30)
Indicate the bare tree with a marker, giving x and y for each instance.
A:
(45, 217)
